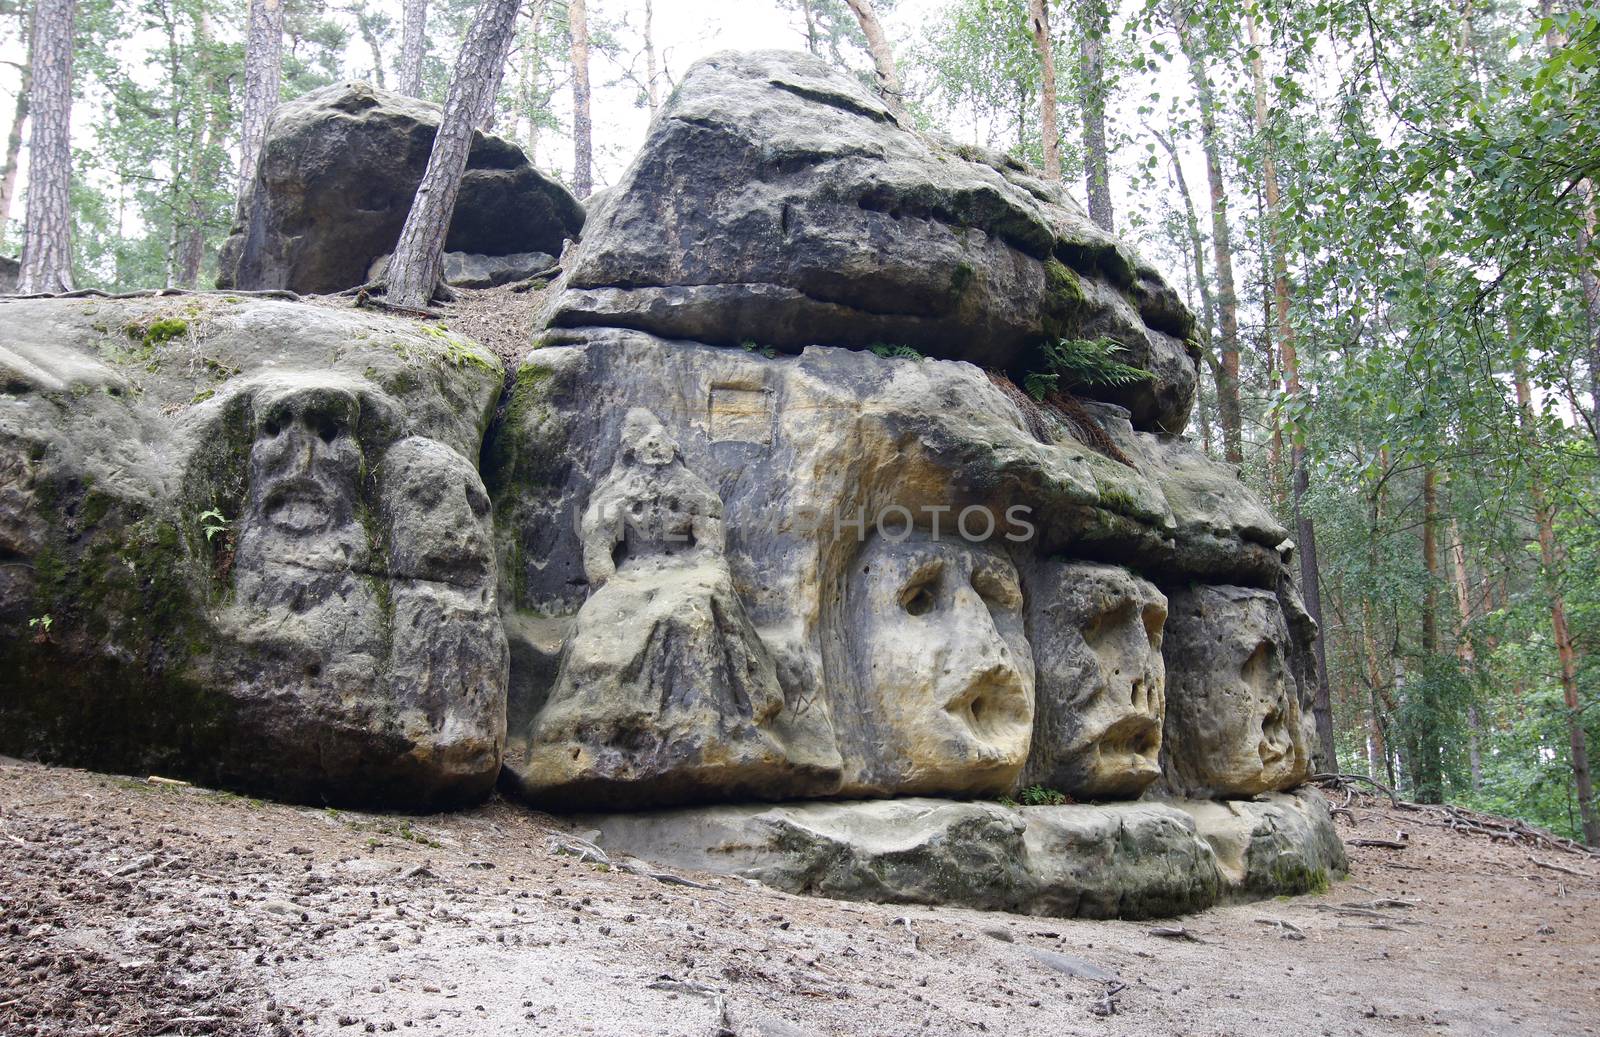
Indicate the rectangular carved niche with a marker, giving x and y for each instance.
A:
(741, 414)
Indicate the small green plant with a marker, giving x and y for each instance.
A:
(1039, 796)
(1008, 802)
(751, 346)
(213, 522)
(42, 625)
(1076, 363)
(891, 351)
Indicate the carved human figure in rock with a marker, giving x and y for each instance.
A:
(448, 642)
(665, 692)
(364, 594)
(1096, 633)
(939, 692)
(1233, 724)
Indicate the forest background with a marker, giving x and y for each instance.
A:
(1382, 212)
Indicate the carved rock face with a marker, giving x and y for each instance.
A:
(942, 668)
(1233, 712)
(1096, 632)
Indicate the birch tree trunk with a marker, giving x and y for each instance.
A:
(1228, 408)
(414, 271)
(46, 242)
(413, 45)
(19, 116)
(1095, 24)
(582, 127)
(889, 85)
(263, 78)
(1039, 22)
(652, 92)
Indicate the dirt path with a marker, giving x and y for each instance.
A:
(132, 908)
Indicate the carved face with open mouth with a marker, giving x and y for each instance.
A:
(1096, 631)
(1234, 715)
(942, 663)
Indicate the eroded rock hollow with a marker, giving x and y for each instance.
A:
(762, 518)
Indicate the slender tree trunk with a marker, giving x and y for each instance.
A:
(1377, 748)
(811, 27)
(418, 256)
(1544, 518)
(263, 78)
(889, 85)
(1589, 281)
(651, 90)
(370, 37)
(413, 45)
(19, 116)
(204, 140)
(529, 79)
(1095, 25)
(1208, 306)
(1039, 22)
(1289, 357)
(582, 127)
(1465, 651)
(46, 243)
(1228, 408)
(1425, 746)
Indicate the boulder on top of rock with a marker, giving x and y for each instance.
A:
(777, 202)
(247, 544)
(339, 169)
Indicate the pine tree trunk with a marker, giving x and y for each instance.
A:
(484, 117)
(1544, 518)
(46, 242)
(1049, 108)
(414, 271)
(19, 116)
(582, 127)
(1229, 411)
(652, 91)
(889, 85)
(413, 45)
(1095, 25)
(263, 77)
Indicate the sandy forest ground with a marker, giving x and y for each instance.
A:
(134, 908)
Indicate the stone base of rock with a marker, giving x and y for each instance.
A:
(1117, 860)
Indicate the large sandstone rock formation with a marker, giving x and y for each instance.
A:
(720, 552)
(246, 542)
(338, 172)
(777, 202)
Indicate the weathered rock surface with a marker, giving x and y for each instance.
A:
(246, 542)
(902, 652)
(777, 202)
(471, 270)
(1124, 860)
(1096, 634)
(1234, 723)
(339, 169)
(1271, 845)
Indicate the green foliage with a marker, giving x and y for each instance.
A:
(894, 352)
(1039, 796)
(1075, 363)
